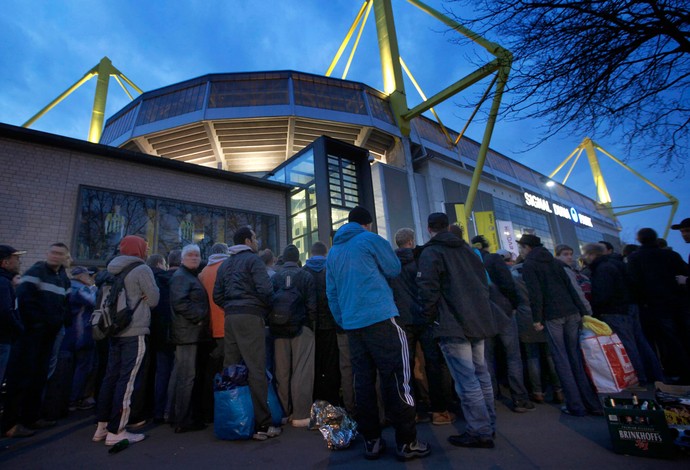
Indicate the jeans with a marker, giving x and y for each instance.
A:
(382, 348)
(465, 359)
(57, 345)
(564, 341)
(511, 343)
(125, 356)
(535, 353)
(186, 373)
(165, 360)
(84, 362)
(4, 360)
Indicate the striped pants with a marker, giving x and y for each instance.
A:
(125, 356)
(382, 348)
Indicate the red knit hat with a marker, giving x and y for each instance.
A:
(132, 245)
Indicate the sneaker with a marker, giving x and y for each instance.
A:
(414, 450)
(112, 439)
(445, 417)
(537, 397)
(300, 423)
(86, 404)
(272, 431)
(19, 431)
(137, 425)
(465, 440)
(374, 448)
(42, 424)
(523, 406)
(101, 432)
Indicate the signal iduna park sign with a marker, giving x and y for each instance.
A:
(553, 208)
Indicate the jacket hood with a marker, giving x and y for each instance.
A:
(347, 232)
(316, 263)
(447, 239)
(405, 255)
(132, 245)
(540, 255)
(217, 258)
(235, 249)
(121, 262)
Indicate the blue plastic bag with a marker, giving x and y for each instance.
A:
(233, 414)
(274, 405)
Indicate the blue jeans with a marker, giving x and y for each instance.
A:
(538, 355)
(564, 341)
(4, 359)
(465, 359)
(511, 343)
(165, 359)
(84, 363)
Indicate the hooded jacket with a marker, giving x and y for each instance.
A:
(454, 290)
(303, 281)
(242, 284)
(405, 289)
(82, 300)
(358, 267)
(316, 266)
(499, 273)
(551, 293)
(208, 278)
(10, 322)
(189, 303)
(139, 284)
(42, 297)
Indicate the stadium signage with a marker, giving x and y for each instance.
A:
(552, 208)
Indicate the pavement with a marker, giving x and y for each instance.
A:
(543, 439)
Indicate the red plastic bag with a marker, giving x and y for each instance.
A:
(606, 362)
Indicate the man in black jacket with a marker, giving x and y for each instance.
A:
(454, 294)
(558, 308)
(189, 303)
(245, 292)
(294, 340)
(663, 303)
(42, 299)
(10, 322)
(500, 276)
(611, 304)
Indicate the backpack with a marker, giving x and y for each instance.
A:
(288, 306)
(113, 314)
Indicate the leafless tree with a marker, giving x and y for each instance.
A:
(597, 68)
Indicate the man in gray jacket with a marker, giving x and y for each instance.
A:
(128, 347)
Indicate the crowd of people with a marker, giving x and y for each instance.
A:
(395, 337)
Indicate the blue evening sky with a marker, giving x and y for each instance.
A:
(48, 45)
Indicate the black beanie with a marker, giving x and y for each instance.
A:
(291, 253)
(360, 215)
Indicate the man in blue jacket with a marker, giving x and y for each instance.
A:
(361, 301)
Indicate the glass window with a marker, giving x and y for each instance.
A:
(319, 92)
(172, 104)
(260, 92)
(119, 125)
(380, 109)
(104, 217)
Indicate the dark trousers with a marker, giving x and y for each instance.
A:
(245, 339)
(187, 379)
(125, 356)
(435, 367)
(669, 331)
(511, 344)
(327, 367)
(165, 360)
(382, 347)
(27, 375)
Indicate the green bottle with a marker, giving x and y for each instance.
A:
(119, 447)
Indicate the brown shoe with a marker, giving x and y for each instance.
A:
(19, 431)
(537, 397)
(558, 397)
(445, 417)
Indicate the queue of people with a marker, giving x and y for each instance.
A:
(348, 327)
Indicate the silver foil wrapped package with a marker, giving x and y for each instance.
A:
(335, 425)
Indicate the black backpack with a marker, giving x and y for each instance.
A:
(288, 308)
(113, 314)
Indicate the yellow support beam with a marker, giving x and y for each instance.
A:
(343, 44)
(104, 70)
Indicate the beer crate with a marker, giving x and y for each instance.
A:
(637, 431)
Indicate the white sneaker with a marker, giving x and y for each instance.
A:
(300, 423)
(113, 439)
(101, 432)
(272, 431)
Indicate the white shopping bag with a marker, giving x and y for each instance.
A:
(606, 362)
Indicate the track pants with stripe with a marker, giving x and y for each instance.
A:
(125, 356)
(382, 348)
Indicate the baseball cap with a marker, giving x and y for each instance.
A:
(685, 223)
(6, 251)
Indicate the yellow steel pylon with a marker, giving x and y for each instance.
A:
(104, 70)
(603, 197)
(393, 67)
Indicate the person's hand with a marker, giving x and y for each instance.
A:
(538, 326)
(681, 280)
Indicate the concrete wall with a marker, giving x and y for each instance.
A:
(40, 183)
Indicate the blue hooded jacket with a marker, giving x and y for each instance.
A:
(357, 270)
